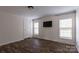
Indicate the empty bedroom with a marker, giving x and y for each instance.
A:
(39, 29)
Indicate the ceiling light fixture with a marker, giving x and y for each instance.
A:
(30, 7)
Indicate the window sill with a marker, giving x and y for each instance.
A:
(66, 38)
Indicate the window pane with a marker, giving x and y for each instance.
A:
(36, 25)
(65, 23)
(36, 31)
(36, 28)
(66, 33)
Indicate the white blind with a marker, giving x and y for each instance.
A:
(36, 28)
(65, 26)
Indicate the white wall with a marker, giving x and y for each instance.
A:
(53, 33)
(11, 28)
(77, 29)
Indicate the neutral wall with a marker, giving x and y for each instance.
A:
(53, 32)
(11, 28)
(77, 29)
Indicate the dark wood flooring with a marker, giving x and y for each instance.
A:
(33, 45)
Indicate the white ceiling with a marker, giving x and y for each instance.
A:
(38, 11)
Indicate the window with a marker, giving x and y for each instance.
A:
(65, 26)
(36, 28)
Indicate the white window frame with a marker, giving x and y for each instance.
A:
(65, 28)
(36, 29)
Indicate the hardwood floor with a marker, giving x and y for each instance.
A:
(33, 45)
